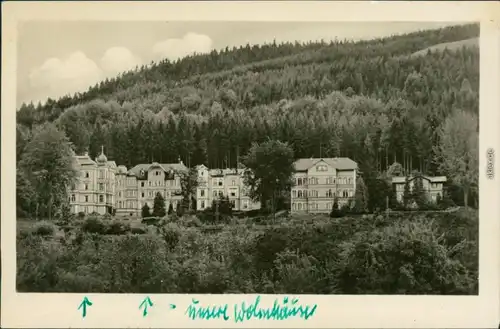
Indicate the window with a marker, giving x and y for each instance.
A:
(87, 175)
(233, 193)
(233, 204)
(233, 182)
(150, 194)
(86, 198)
(299, 206)
(119, 204)
(214, 181)
(86, 186)
(299, 181)
(221, 194)
(299, 194)
(85, 209)
(220, 182)
(202, 193)
(202, 204)
(329, 194)
(334, 180)
(351, 193)
(142, 195)
(101, 173)
(294, 206)
(344, 193)
(321, 168)
(149, 183)
(215, 193)
(120, 194)
(350, 180)
(73, 198)
(245, 204)
(101, 187)
(101, 198)
(294, 193)
(142, 184)
(157, 173)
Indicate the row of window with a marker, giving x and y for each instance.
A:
(100, 186)
(312, 206)
(220, 182)
(86, 198)
(401, 187)
(152, 183)
(328, 181)
(316, 194)
(101, 174)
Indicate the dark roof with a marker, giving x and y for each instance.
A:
(338, 163)
(136, 171)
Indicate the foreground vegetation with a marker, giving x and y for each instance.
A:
(404, 253)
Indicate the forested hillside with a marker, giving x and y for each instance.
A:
(370, 101)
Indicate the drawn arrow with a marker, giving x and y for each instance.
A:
(144, 304)
(172, 306)
(83, 305)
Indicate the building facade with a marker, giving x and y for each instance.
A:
(319, 181)
(94, 190)
(214, 184)
(432, 186)
(104, 187)
(139, 186)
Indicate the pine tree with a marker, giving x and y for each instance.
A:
(360, 196)
(159, 206)
(145, 211)
(179, 211)
(418, 193)
(407, 199)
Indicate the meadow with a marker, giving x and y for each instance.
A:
(396, 253)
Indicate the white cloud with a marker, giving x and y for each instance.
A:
(118, 59)
(57, 77)
(173, 49)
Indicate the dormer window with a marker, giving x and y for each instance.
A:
(142, 172)
(321, 168)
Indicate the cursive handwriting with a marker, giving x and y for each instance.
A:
(196, 311)
(281, 310)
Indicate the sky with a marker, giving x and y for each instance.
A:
(59, 58)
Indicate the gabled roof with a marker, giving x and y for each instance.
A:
(337, 163)
(83, 160)
(435, 179)
(136, 171)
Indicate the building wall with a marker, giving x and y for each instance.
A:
(432, 189)
(94, 190)
(314, 190)
(216, 183)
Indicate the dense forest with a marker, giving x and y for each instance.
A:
(372, 101)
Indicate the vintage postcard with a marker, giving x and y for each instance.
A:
(250, 164)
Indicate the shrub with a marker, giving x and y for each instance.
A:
(107, 216)
(117, 228)
(137, 230)
(151, 220)
(94, 225)
(44, 229)
(81, 215)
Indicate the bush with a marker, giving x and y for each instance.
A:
(107, 216)
(117, 228)
(44, 229)
(94, 225)
(151, 220)
(137, 230)
(81, 215)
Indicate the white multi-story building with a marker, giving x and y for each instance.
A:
(319, 181)
(94, 190)
(432, 186)
(217, 183)
(104, 187)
